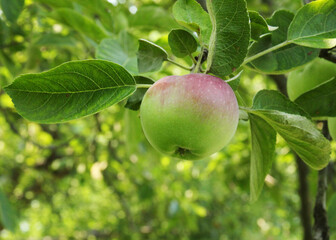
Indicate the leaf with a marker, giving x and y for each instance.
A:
(100, 10)
(314, 25)
(331, 213)
(129, 43)
(119, 52)
(295, 128)
(273, 100)
(230, 36)
(182, 43)
(143, 80)
(150, 56)
(259, 25)
(8, 216)
(12, 9)
(4, 32)
(190, 14)
(80, 23)
(320, 101)
(55, 40)
(262, 154)
(71, 90)
(135, 100)
(284, 59)
(152, 17)
(56, 4)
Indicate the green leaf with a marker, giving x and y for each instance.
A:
(190, 14)
(273, 100)
(230, 35)
(320, 101)
(55, 40)
(143, 80)
(129, 43)
(8, 216)
(80, 23)
(71, 90)
(263, 139)
(295, 128)
(284, 59)
(152, 17)
(331, 213)
(314, 25)
(259, 25)
(121, 51)
(100, 10)
(56, 4)
(150, 56)
(135, 100)
(12, 9)
(182, 43)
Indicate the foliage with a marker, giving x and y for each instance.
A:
(98, 177)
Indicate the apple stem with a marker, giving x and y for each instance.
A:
(144, 85)
(260, 54)
(179, 65)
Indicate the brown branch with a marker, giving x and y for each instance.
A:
(305, 211)
(321, 228)
(303, 171)
(328, 54)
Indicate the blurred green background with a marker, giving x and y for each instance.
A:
(98, 177)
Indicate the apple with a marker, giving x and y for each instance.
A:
(311, 75)
(332, 127)
(190, 116)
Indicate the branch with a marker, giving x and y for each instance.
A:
(303, 171)
(305, 211)
(328, 55)
(321, 228)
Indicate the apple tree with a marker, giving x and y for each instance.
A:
(196, 114)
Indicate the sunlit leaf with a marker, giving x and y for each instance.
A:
(190, 14)
(150, 56)
(315, 25)
(118, 51)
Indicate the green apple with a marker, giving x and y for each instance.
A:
(332, 127)
(190, 116)
(311, 75)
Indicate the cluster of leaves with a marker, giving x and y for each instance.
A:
(78, 89)
(233, 37)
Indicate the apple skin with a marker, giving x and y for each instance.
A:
(189, 117)
(311, 75)
(332, 127)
